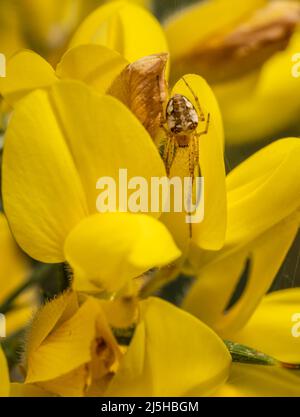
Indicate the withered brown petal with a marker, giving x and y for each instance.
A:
(245, 47)
(142, 87)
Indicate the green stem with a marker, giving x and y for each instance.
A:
(239, 353)
(38, 275)
(244, 354)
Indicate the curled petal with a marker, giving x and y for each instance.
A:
(26, 71)
(108, 249)
(124, 27)
(95, 65)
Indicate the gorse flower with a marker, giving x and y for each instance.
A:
(103, 70)
(106, 107)
(79, 145)
(71, 350)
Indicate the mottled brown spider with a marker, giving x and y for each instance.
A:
(180, 125)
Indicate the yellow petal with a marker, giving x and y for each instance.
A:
(43, 195)
(14, 270)
(53, 160)
(210, 233)
(274, 328)
(48, 317)
(71, 384)
(121, 312)
(66, 348)
(263, 190)
(219, 279)
(26, 71)
(260, 381)
(103, 137)
(95, 65)
(168, 360)
(13, 263)
(64, 354)
(4, 376)
(124, 27)
(108, 249)
(27, 390)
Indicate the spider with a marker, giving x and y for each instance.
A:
(180, 125)
(182, 121)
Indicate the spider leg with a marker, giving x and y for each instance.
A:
(201, 112)
(197, 163)
(194, 170)
(205, 131)
(169, 152)
(172, 153)
(193, 163)
(166, 149)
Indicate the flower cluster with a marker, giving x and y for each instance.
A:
(89, 287)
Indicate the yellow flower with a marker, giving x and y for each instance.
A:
(91, 59)
(94, 60)
(58, 144)
(14, 270)
(71, 350)
(103, 69)
(245, 50)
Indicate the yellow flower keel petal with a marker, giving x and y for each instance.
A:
(108, 249)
